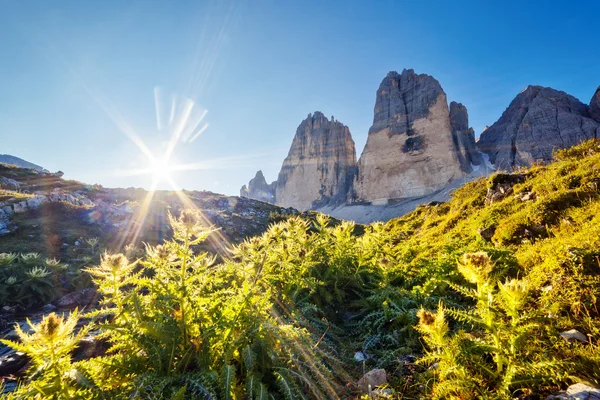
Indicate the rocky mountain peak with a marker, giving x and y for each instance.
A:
(260, 176)
(538, 121)
(318, 170)
(459, 116)
(259, 189)
(595, 105)
(410, 149)
(403, 98)
(320, 164)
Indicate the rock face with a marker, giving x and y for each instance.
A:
(259, 189)
(463, 137)
(320, 165)
(410, 150)
(538, 121)
(595, 105)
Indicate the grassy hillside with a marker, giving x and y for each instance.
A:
(74, 233)
(465, 299)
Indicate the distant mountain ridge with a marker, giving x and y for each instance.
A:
(419, 149)
(19, 162)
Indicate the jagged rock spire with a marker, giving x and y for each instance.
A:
(320, 164)
(410, 150)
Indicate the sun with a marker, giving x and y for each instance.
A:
(160, 169)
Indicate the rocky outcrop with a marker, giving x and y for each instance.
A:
(259, 189)
(320, 165)
(463, 137)
(595, 105)
(410, 150)
(19, 162)
(537, 122)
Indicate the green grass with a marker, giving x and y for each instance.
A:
(287, 311)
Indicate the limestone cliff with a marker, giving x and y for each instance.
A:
(409, 150)
(463, 137)
(537, 122)
(259, 189)
(320, 165)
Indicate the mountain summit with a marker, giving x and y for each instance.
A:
(537, 122)
(410, 149)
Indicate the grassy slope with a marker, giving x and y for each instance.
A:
(532, 234)
(553, 242)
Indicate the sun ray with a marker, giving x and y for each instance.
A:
(205, 127)
(158, 108)
(135, 224)
(217, 239)
(193, 126)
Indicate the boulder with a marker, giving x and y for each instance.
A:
(410, 150)
(537, 122)
(578, 391)
(20, 207)
(581, 391)
(90, 346)
(573, 335)
(36, 201)
(320, 165)
(487, 233)
(372, 380)
(85, 201)
(9, 184)
(525, 196)
(502, 186)
(12, 362)
(83, 298)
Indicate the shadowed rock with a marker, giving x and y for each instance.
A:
(463, 137)
(537, 122)
(595, 105)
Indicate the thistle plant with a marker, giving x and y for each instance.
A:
(503, 327)
(111, 276)
(30, 258)
(37, 273)
(7, 258)
(49, 347)
(52, 262)
(93, 243)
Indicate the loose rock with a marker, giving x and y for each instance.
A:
(372, 380)
(574, 335)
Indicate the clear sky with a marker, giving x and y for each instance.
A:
(74, 73)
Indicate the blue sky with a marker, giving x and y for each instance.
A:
(71, 69)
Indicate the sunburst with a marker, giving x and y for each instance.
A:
(184, 124)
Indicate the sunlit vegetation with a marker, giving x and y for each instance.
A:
(28, 280)
(447, 312)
